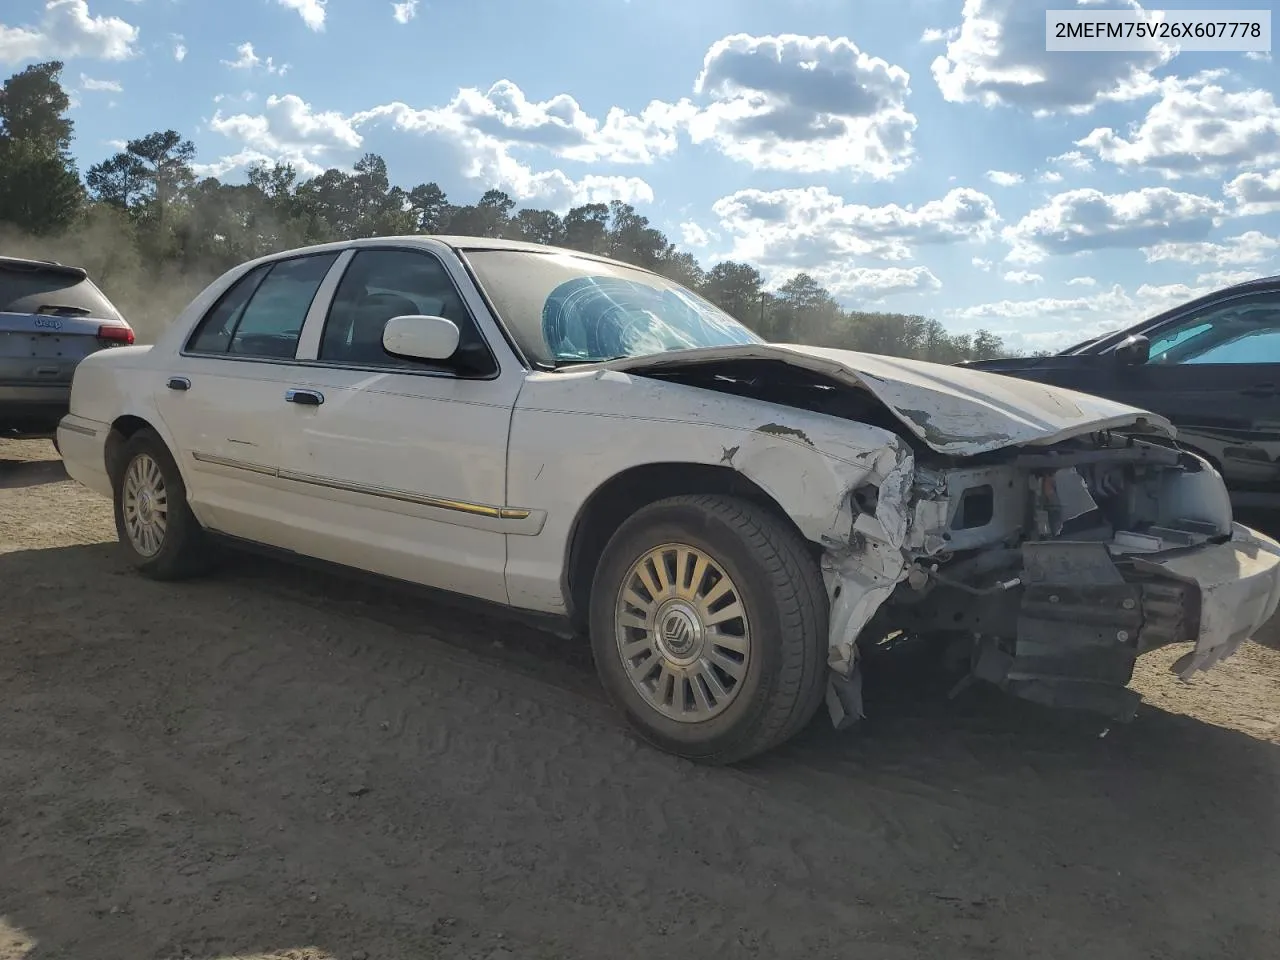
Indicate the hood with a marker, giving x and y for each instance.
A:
(954, 410)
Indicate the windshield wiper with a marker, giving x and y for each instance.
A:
(584, 361)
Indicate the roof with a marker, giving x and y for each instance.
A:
(497, 243)
(456, 243)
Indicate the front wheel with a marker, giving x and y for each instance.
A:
(156, 527)
(709, 627)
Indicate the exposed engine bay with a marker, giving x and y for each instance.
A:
(1038, 565)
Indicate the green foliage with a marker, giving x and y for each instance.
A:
(154, 233)
(32, 104)
(40, 190)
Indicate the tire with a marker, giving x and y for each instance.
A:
(183, 548)
(775, 579)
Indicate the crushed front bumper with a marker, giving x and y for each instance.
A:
(1239, 589)
(1086, 615)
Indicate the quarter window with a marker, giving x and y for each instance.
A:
(263, 313)
(381, 284)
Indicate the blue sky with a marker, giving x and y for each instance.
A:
(923, 156)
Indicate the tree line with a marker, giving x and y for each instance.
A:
(152, 233)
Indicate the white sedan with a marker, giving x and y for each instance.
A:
(731, 522)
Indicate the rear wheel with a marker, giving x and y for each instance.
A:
(155, 525)
(709, 627)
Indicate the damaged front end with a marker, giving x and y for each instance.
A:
(1032, 526)
(1052, 569)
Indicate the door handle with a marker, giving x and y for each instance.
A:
(1260, 390)
(178, 383)
(308, 398)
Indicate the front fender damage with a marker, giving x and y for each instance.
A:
(860, 574)
(854, 500)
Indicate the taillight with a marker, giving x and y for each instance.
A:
(115, 333)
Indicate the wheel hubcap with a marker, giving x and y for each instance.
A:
(146, 505)
(682, 633)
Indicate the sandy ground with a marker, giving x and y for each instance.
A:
(278, 762)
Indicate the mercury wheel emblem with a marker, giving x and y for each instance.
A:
(678, 631)
(682, 631)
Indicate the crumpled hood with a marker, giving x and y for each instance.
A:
(954, 410)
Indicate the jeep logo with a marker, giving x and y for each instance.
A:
(48, 323)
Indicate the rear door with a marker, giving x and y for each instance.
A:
(223, 398)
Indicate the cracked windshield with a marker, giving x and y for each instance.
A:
(580, 479)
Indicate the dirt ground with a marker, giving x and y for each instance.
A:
(277, 762)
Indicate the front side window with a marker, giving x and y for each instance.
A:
(1246, 331)
(263, 312)
(379, 285)
(564, 309)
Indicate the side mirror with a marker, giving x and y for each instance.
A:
(420, 338)
(1132, 351)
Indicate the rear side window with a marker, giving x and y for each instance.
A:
(65, 293)
(263, 312)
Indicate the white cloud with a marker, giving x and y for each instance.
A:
(808, 226)
(875, 284)
(692, 235)
(68, 31)
(1087, 219)
(1073, 160)
(248, 59)
(1022, 277)
(1258, 55)
(241, 161)
(982, 264)
(90, 84)
(289, 130)
(1082, 282)
(1255, 193)
(1051, 176)
(854, 285)
(1251, 247)
(311, 11)
(1227, 278)
(1196, 127)
(505, 115)
(246, 96)
(998, 57)
(1002, 178)
(179, 47)
(805, 105)
(934, 35)
(1112, 309)
(404, 12)
(1076, 319)
(488, 159)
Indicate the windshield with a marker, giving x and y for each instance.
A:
(563, 309)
